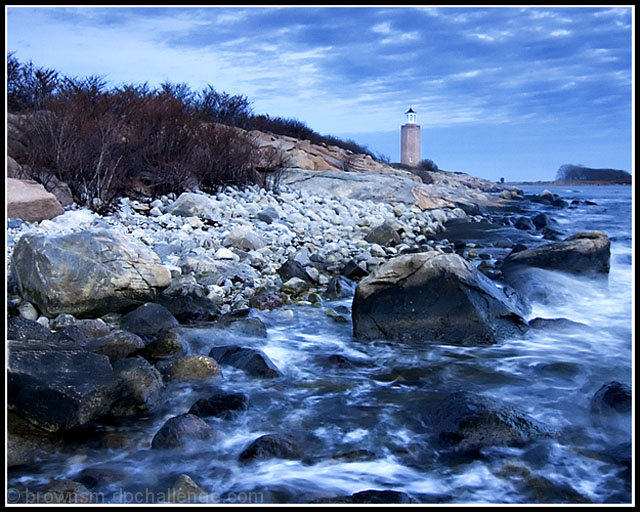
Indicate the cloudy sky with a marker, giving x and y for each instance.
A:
(500, 92)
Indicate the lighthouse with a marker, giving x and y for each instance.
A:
(410, 140)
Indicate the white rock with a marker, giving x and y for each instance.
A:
(377, 251)
(28, 311)
(226, 254)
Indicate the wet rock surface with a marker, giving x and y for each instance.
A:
(456, 304)
(180, 430)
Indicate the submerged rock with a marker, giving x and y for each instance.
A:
(340, 287)
(369, 497)
(433, 297)
(468, 421)
(253, 361)
(612, 396)
(555, 324)
(221, 404)
(269, 446)
(180, 430)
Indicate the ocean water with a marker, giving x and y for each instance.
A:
(362, 426)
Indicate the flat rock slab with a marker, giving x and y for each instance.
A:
(584, 252)
(352, 185)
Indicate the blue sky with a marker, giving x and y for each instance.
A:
(500, 92)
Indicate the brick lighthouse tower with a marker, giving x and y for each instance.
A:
(410, 140)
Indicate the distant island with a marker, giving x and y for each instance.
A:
(570, 174)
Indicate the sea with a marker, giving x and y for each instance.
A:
(361, 422)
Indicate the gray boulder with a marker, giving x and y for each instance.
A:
(187, 300)
(385, 235)
(65, 491)
(290, 269)
(244, 238)
(434, 298)
(57, 388)
(26, 442)
(88, 273)
(194, 205)
(193, 368)
(268, 215)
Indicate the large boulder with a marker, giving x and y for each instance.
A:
(57, 388)
(88, 273)
(434, 297)
(28, 200)
(19, 329)
(584, 252)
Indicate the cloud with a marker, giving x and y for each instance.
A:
(318, 64)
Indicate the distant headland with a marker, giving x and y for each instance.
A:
(570, 174)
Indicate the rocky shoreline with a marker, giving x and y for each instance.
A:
(98, 305)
